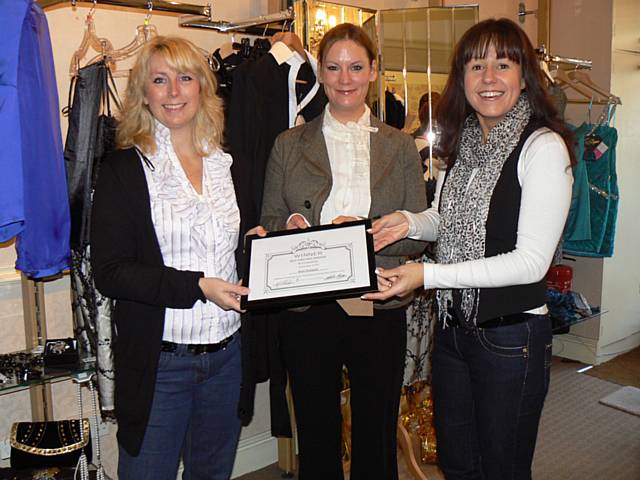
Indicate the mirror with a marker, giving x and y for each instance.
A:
(416, 47)
(318, 17)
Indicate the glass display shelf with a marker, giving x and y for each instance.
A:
(83, 370)
(559, 325)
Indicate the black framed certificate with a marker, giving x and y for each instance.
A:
(298, 267)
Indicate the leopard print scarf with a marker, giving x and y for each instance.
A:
(466, 197)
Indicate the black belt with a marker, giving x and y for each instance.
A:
(501, 321)
(197, 348)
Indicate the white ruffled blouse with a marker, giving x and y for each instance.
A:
(348, 147)
(197, 232)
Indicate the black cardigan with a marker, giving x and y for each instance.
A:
(128, 266)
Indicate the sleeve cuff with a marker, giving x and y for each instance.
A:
(199, 293)
(412, 233)
(429, 275)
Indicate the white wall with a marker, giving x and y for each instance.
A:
(621, 273)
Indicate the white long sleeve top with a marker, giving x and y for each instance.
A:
(545, 177)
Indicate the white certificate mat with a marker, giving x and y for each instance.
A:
(298, 267)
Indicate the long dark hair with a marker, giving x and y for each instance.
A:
(509, 41)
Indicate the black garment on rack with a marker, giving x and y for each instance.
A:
(258, 113)
(224, 74)
(91, 135)
(243, 52)
(393, 111)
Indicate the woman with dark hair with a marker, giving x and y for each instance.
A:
(342, 165)
(499, 211)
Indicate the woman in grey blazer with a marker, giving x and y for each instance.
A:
(344, 165)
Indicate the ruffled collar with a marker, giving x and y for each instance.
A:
(169, 183)
(169, 171)
(338, 129)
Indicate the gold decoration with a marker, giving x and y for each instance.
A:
(416, 414)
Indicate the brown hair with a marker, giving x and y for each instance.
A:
(136, 126)
(346, 31)
(511, 42)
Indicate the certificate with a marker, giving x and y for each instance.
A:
(299, 267)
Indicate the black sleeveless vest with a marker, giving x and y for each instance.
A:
(501, 235)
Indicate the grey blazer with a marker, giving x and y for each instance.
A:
(299, 180)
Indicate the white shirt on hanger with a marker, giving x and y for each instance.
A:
(283, 54)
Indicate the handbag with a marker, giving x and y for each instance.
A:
(49, 444)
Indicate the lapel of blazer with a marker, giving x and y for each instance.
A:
(314, 148)
(379, 156)
(316, 158)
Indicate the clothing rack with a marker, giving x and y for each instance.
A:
(595, 95)
(275, 22)
(198, 11)
(545, 56)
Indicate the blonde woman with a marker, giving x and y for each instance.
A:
(164, 230)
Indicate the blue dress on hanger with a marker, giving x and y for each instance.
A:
(590, 227)
(33, 188)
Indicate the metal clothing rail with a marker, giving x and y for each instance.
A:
(155, 5)
(224, 26)
(547, 57)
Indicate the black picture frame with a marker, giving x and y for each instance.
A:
(296, 300)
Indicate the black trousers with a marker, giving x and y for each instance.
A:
(315, 345)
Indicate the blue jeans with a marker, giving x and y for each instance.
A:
(489, 386)
(193, 416)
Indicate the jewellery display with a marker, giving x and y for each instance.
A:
(20, 367)
(61, 352)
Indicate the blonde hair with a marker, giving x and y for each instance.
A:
(137, 127)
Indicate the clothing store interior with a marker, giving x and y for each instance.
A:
(56, 359)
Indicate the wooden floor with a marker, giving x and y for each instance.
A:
(623, 370)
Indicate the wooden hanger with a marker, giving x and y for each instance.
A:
(581, 82)
(89, 39)
(584, 78)
(291, 40)
(544, 66)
